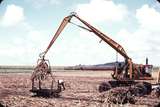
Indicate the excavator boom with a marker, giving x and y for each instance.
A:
(117, 47)
(101, 35)
(60, 29)
(105, 38)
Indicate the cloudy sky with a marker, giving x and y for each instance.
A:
(27, 26)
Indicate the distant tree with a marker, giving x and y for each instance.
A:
(1, 1)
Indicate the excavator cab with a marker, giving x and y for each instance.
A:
(144, 72)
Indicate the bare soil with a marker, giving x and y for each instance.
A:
(81, 91)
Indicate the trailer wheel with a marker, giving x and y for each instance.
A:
(104, 86)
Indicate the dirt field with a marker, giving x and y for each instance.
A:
(81, 91)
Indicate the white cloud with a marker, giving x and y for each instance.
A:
(43, 3)
(24, 49)
(144, 41)
(12, 54)
(139, 45)
(102, 10)
(35, 35)
(148, 17)
(136, 41)
(13, 15)
(83, 48)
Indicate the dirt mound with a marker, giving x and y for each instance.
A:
(119, 95)
(155, 93)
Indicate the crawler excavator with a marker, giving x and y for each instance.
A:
(122, 76)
